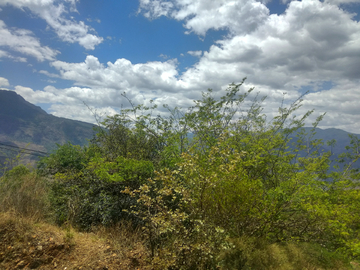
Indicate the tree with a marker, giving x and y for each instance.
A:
(200, 181)
(238, 176)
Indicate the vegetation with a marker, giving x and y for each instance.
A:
(216, 186)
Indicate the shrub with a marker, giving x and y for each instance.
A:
(213, 183)
(238, 177)
(93, 196)
(66, 158)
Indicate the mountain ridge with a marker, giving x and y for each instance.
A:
(26, 125)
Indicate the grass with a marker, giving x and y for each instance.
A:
(254, 253)
(24, 193)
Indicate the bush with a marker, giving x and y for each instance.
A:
(214, 184)
(66, 158)
(238, 177)
(94, 195)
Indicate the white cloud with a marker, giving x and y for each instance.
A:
(4, 54)
(122, 74)
(71, 102)
(238, 16)
(195, 53)
(340, 104)
(54, 14)
(81, 112)
(23, 41)
(47, 73)
(337, 2)
(20, 59)
(311, 43)
(155, 8)
(4, 82)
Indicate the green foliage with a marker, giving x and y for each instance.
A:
(92, 196)
(176, 234)
(122, 169)
(217, 186)
(66, 158)
(124, 136)
(237, 175)
(258, 253)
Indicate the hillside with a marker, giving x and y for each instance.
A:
(23, 124)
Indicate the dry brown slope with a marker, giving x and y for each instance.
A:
(25, 245)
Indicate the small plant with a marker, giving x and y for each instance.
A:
(69, 235)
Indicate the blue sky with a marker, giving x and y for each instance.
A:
(60, 54)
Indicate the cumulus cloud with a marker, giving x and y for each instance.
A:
(238, 16)
(54, 14)
(74, 102)
(163, 56)
(121, 74)
(4, 82)
(23, 41)
(82, 113)
(337, 2)
(311, 43)
(340, 104)
(3, 54)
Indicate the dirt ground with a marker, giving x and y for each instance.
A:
(25, 245)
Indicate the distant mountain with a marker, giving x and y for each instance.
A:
(23, 124)
(342, 140)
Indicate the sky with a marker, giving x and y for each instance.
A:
(71, 55)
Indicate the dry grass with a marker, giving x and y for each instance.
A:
(24, 193)
(26, 245)
(254, 253)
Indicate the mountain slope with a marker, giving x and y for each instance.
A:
(23, 124)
